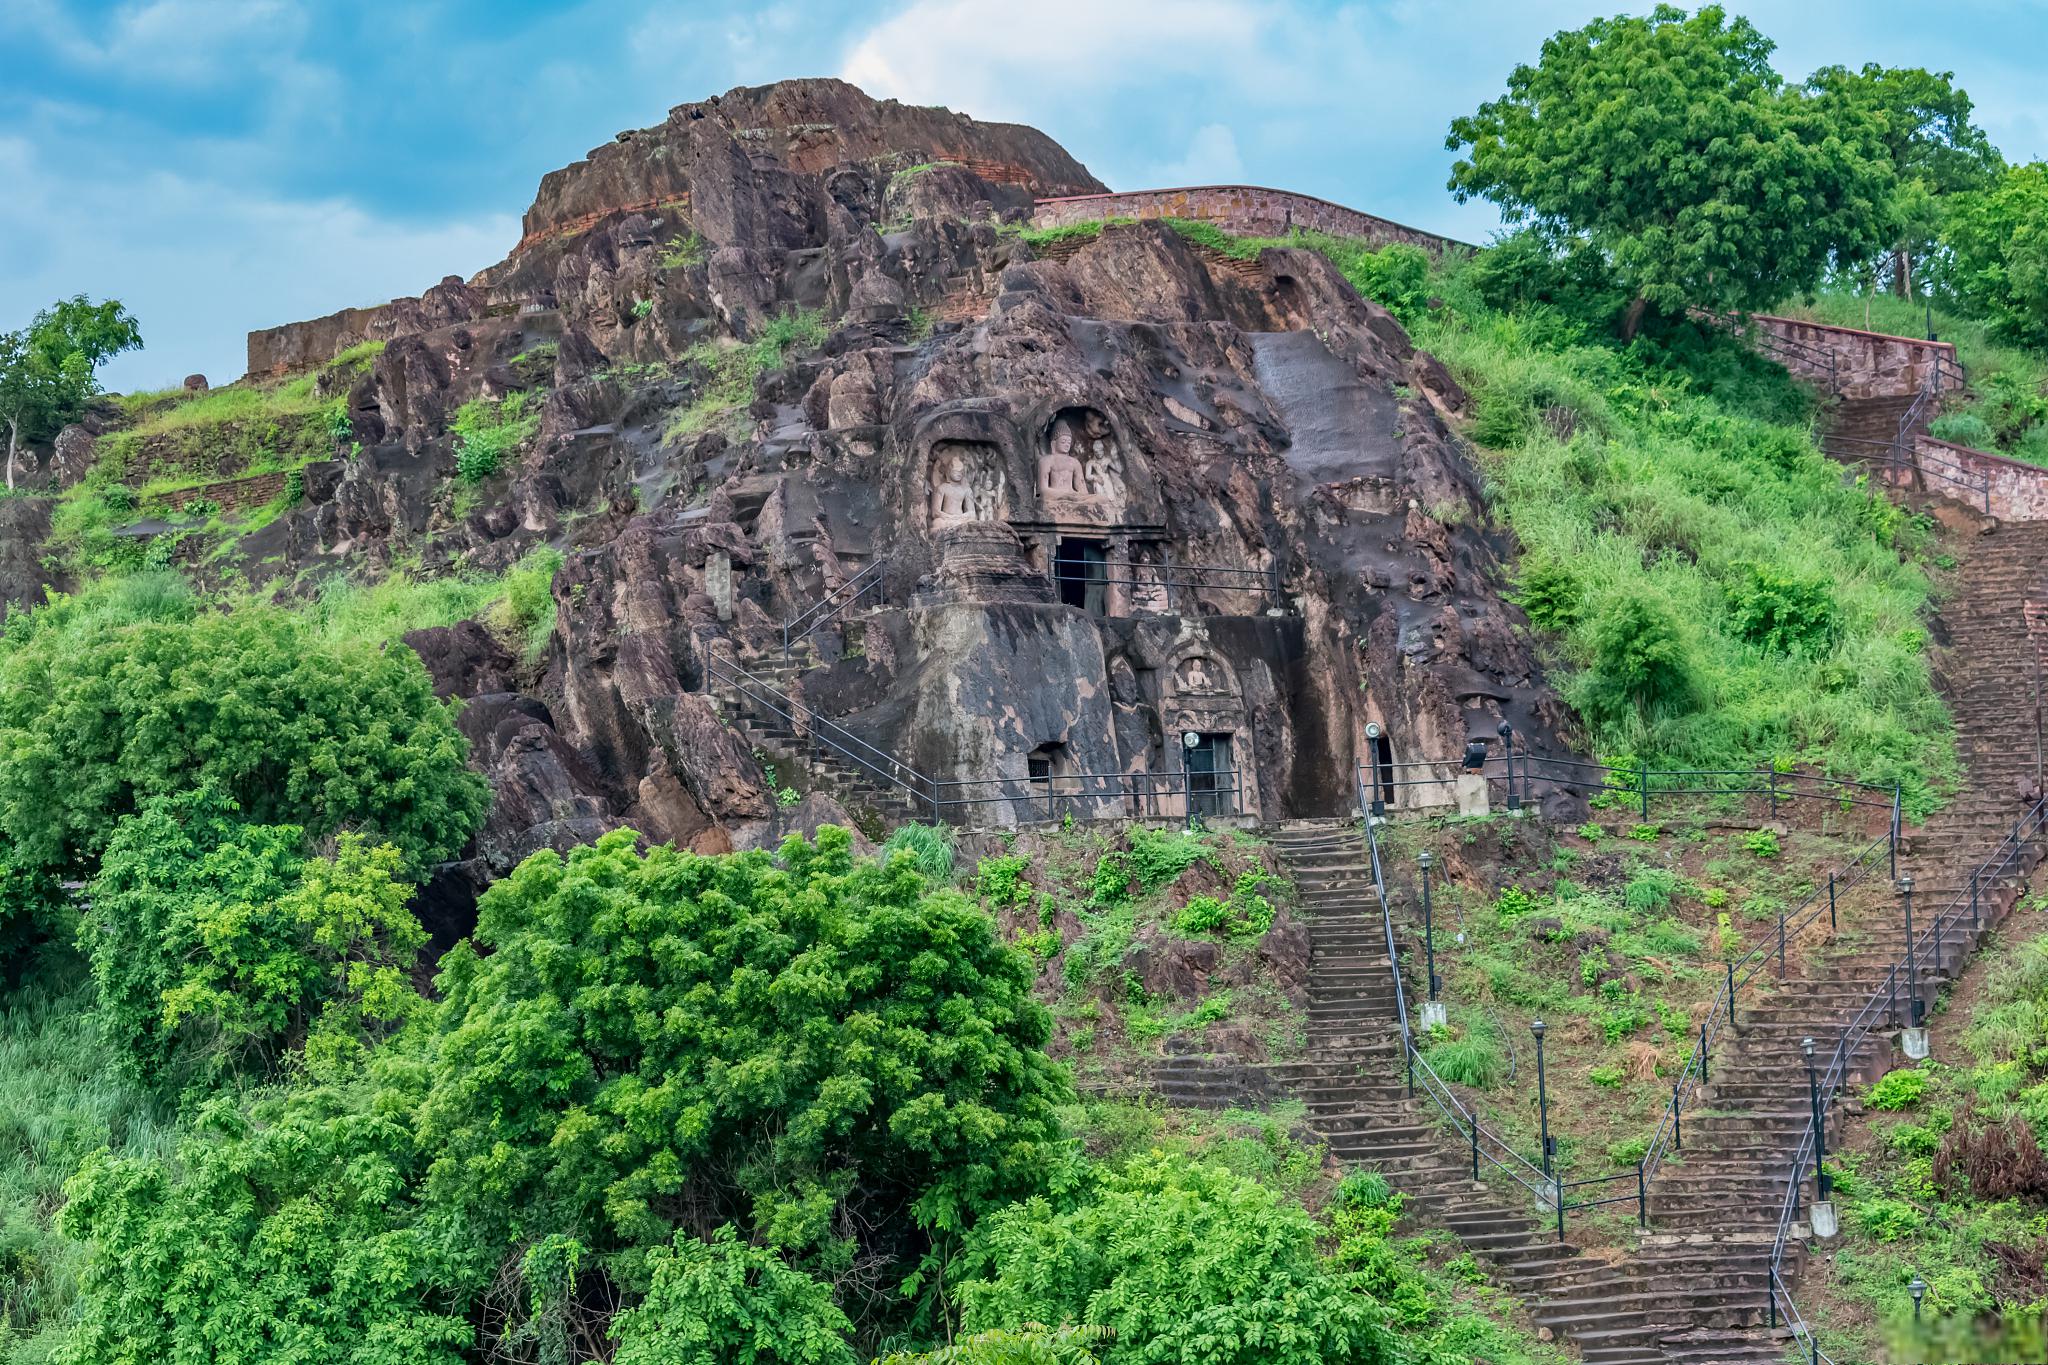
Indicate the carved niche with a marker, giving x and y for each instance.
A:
(966, 484)
(1081, 471)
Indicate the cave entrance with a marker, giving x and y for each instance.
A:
(1042, 768)
(1081, 568)
(1212, 783)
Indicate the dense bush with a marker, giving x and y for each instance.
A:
(1187, 1263)
(137, 691)
(216, 943)
(829, 1054)
(721, 1302)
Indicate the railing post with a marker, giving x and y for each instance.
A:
(1643, 785)
(1781, 944)
(1771, 788)
(1642, 1198)
(1703, 1051)
(1557, 1196)
(1507, 744)
(1894, 840)
(1831, 902)
(1677, 1122)
(1973, 903)
(1475, 1146)
(1729, 963)
(1408, 1051)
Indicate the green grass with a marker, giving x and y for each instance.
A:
(487, 430)
(61, 1099)
(726, 371)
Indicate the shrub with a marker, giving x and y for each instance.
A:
(1247, 914)
(1762, 843)
(1549, 593)
(722, 1302)
(1898, 1090)
(1607, 1075)
(1777, 610)
(1514, 902)
(1640, 663)
(1999, 1160)
(1157, 857)
(1887, 1220)
(113, 697)
(930, 848)
(1000, 880)
(216, 944)
(1187, 1263)
(1670, 937)
(797, 1036)
(486, 431)
(1963, 429)
(1629, 1151)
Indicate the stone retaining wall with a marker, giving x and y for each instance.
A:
(1245, 209)
(1864, 364)
(2018, 491)
(230, 495)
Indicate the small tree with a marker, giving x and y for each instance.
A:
(49, 368)
(1670, 144)
(1998, 240)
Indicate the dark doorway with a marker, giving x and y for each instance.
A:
(1081, 568)
(1042, 767)
(1212, 785)
(1383, 760)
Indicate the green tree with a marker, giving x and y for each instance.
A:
(1998, 243)
(106, 702)
(1640, 664)
(722, 1302)
(294, 1240)
(1670, 145)
(1935, 150)
(48, 369)
(216, 944)
(830, 1054)
(1187, 1263)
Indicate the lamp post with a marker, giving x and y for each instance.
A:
(1372, 750)
(1918, 1289)
(1434, 1014)
(1507, 753)
(1913, 1039)
(1822, 1214)
(1542, 1093)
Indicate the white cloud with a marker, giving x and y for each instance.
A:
(201, 264)
(991, 59)
(1211, 159)
(171, 42)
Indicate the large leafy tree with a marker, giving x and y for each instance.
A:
(1998, 252)
(1670, 145)
(107, 702)
(1935, 149)
(825, 1052)
(49, 368)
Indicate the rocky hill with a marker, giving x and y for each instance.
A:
(1088, 521)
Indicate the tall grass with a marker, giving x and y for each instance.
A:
(931, 846)
(61, 1099)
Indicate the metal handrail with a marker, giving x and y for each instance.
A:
(1884, 1001)
(829, 607)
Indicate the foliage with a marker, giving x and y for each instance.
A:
(296, 1239)
(930, 848)
(793, 1043)
(48, 369)
(726, 372)
(1998, 252)
(722, 1302)
(1032, 1346)
(1669, 144)
(1245, 914)
(1475, 1060)
(999, 880)
(133, 691)
(1185, 1262)
(1780, 611)
(1761, 843)
(682, 253)
(487, 430)
(1898, 1090)
(1640, 663)
(526, 612)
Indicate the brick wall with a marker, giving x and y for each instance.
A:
(231, 495)
(1245, 209)
(1865, 364)
(2018, 491)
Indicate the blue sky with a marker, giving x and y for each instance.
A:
(228, 164)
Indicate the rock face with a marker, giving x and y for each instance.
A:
(1120, 530)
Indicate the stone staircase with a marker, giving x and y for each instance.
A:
(1638, 1312)
(1858, 430)
(762, 722)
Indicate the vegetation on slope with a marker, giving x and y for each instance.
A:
(1947, 1182)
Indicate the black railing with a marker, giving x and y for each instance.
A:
(1146, 577)
(832, 605)
(1187, 795)
(1963, 920)
(1517, 769)
(1486, 1145)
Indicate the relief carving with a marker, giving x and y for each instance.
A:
(1081, 475)
(966, 484)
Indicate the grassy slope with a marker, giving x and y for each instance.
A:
(1672, 477)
